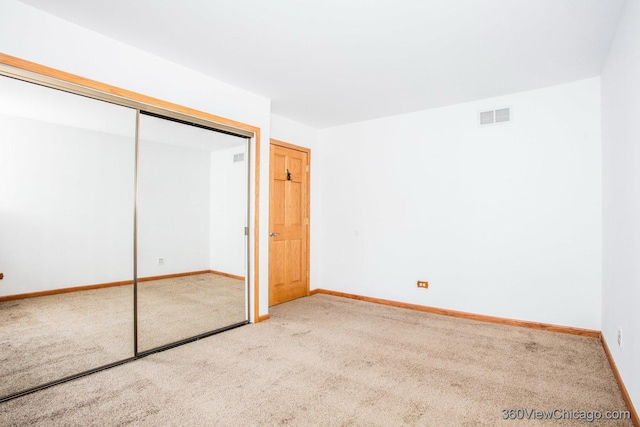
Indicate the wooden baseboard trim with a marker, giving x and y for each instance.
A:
(63, 290)
(623, 389)
(263, 318)
(472, 316)
(171, 276)
(232, 276)
(107, 285)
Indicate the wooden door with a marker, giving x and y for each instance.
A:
(288, 223)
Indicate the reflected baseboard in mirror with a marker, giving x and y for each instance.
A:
(109, 285)
(175, 309)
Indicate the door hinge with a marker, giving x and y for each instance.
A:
(246, 231)
(306, 221)
(307, 168)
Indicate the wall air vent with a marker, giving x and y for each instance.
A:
(486, 117)
(238, 157)
(501, 115)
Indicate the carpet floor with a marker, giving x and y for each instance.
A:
(330, 361)
(51, 337)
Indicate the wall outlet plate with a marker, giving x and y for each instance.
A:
(423, 284)
(619, 336)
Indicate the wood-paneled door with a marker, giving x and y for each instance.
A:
(288, 222)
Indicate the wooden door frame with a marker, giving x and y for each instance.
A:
(288, 145)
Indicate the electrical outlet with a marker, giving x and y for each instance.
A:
(619, 336)
(423, 284)
(160, 261)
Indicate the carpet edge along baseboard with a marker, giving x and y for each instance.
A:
(504, 321)
(112, 284)
(635, 419)
(472, 316)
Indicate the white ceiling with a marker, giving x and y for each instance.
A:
(330, 62)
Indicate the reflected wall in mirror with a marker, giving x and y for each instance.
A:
(66, 234)
(192, 250)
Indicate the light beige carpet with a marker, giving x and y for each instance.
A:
(330, 361)
(174, 309)
(48, 338)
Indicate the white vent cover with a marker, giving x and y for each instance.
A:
(238, 157)
(486, 117)
(501, 115)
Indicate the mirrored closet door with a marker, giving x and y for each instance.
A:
(66, 234)
(192, 213)
(123, 229)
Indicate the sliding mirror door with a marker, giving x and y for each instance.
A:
(66, 234)
(191, 242)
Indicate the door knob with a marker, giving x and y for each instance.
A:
(272, 234)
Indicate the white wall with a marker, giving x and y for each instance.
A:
(31, 34)
(621, 198)
(228, 212)
(173, 208)
(287, 130)
(503, 220)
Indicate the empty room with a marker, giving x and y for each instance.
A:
(250, 213)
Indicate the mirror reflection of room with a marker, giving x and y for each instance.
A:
(66, 234)
(83, 184)
(192, 204)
